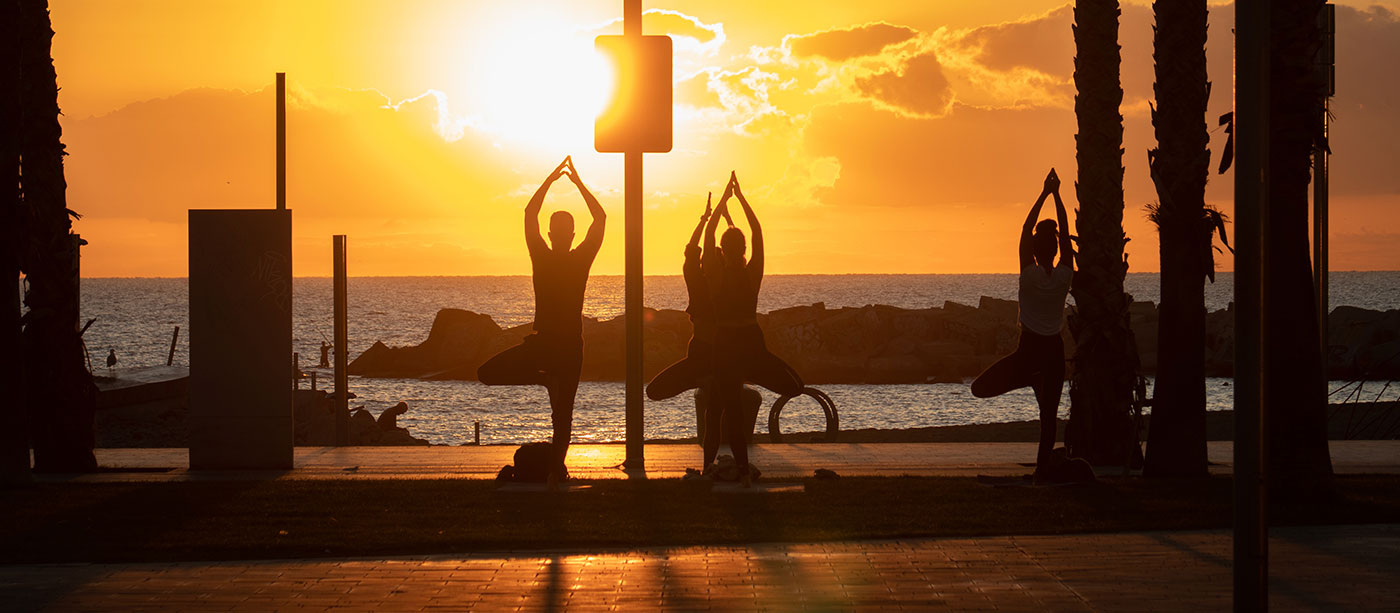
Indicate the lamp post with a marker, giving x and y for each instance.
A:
(637, 120)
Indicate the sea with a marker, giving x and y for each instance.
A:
(136, 318)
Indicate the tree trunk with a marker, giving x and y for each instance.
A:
(1180, 166)
(1295, 401)
(1105, 356)
(60, 391)
(14, 436)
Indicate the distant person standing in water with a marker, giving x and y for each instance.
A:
(552, 356)
(1039, 359)
(740, 352)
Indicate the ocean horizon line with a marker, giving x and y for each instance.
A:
(772, 274)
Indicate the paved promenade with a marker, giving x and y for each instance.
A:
(669, 461)
(1320, 569)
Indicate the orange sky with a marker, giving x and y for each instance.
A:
(903, 137)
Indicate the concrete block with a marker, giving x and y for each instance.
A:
(240, 339)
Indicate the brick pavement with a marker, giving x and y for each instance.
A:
(600, 461)
(1315, 568)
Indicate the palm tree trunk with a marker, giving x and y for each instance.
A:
(60, 391)
(1105, 356)
(1180, 166)
(1294, 389)
(14, 437)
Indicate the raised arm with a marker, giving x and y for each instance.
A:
(533, 240)
(710, 261)
(755, 265)
(594, 239)
(1066, 246)
(720, 211)
(1027, 247)
(700, 227)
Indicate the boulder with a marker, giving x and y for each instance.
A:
(896, 369)
(458, 341)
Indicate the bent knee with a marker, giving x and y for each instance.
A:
(982, 390)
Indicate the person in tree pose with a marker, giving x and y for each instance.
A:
(740, 352)
(696, 369)
(552, 355)
(1039, 359)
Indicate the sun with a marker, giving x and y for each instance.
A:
(540, 83)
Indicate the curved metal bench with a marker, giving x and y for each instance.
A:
(833, 421)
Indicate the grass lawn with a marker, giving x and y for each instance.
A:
(59, 522)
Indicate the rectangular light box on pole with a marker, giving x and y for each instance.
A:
(636, 120)
(638, 116)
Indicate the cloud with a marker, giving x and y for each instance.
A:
(695, 90)
(918, 88)
(1030, 62)
(449, 126)
(1043, 43)
(1365, 131)
(354, 162)
(690, 34)
(842, 44)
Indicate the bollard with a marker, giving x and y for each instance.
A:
(174, 338)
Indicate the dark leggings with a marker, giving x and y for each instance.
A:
(555, 364)
(742, 356)
(1038, 362)
(690, 372)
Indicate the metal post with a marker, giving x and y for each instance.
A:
(78, 242)
(281, 140)
(631, 17)
(632, 183)
(1251, 192)
(174, 338)
(1320, 266)
(342, 380)
(1326, 67)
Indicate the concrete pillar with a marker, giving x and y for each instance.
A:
(240, 339)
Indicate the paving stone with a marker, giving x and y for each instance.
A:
(600, 461)
(1334, 568)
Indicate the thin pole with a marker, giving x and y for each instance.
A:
(342, 379)
(174, 338)
(1251, 555)
(1320, 265)
(281, 140)
(1327, 59)
(631, 17)
(632, 181)
(633, 265)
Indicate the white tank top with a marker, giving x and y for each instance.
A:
(1042, 298)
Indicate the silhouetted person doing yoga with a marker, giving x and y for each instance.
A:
(740, 352)
(1039, 359)
(697, 367)
(553, 355)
